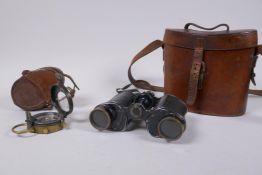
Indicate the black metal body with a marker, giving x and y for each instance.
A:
(167, 119)
(119, 113)
(164, 116)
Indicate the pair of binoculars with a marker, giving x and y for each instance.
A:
(164, 117)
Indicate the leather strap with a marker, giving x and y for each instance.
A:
(195, 71)
(141, 83)
(46, 102)
(252, 91)
(194, 74)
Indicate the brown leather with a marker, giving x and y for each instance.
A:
(252, 91)
(212, 77)
(195, 71)
(259, 49)
(219, 40)
(32, 90)
(141, 83)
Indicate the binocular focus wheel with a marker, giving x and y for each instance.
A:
(136, 111)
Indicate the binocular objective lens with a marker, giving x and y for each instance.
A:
(100, 119)
(170, 128)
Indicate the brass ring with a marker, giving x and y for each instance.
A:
(21, 131)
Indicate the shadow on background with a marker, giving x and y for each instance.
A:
(254, 102)
(188, 136)
(81, 101)
(253, 109)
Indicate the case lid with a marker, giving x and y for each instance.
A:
(213, 40)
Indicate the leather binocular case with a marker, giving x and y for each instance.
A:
(209, 70)
(32, 91)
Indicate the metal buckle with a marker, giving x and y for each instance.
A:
(252, 73)
(202, 75)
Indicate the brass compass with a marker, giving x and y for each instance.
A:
(49, 122)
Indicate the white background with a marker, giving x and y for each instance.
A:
(94, 41)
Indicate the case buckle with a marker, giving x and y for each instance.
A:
(202, 75)
(252, 73)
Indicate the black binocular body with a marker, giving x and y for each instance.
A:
(164, 116)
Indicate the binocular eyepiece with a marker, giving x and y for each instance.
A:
(164, 116)
(167, 119)
(121, 112)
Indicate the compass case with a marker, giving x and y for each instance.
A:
(33, 90)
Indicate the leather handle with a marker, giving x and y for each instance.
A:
(205, 28)
(252, 91)
(141, 83)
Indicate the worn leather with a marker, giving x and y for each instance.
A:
(32, 90)
(252, 91)
(141, 83)
(228, 58)
(214, 40)
(195, 71)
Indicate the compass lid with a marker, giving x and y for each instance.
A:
(62, 100)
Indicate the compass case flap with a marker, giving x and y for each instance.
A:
(33, 90)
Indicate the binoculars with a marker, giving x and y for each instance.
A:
(164, 117)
